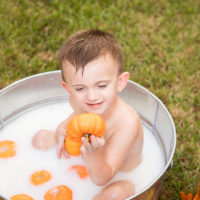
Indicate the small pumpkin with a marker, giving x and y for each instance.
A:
(72, 147)
(40, 177)
(189, 196)
(7, 149)
(81, 170)
(60, 192)
(21, 197)
(84, 124)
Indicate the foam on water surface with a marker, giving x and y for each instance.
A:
(15, 172)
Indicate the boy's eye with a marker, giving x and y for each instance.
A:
(79, 89)
(102, 86)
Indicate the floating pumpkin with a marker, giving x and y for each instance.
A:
(60, 192)
(40, 177)
(7, 149)
(81, 170)
(79, 126)
(21, 197)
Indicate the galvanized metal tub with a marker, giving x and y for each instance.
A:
(45, 88)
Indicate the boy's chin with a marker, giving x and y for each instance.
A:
(97, 111)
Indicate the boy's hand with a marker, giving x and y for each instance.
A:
(61, 153)
(60, 137)
(96, 142)
(93, 155)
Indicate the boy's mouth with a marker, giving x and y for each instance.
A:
(94, 105)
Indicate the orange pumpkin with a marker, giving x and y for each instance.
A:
(7, 149)
(189, 196)
(60, 192)
(21, 197)
(40, 177)
(72, 147)
(84, 124)
(81, 170)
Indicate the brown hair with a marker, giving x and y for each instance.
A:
(86, 46)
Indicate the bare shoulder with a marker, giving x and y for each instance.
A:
(127, 125)
(129, 119)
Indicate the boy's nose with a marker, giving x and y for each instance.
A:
(92, 96)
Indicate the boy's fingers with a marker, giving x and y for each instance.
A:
(95, 142)
(86, 144)
(62, 153)
(101, 141)
(59, 151)
(65, 154)
(60, 148)
(82, 149)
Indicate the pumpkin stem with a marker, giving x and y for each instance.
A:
(87, 136)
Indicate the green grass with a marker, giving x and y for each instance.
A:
(161, 45)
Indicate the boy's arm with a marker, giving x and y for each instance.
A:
(92, 153)
(128, 139)
(103, 164)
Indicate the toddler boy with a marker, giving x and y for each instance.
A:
(92, 71)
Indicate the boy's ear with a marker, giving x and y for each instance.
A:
(65, 86)
(122, 81)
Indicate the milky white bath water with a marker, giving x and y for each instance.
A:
(15, 172)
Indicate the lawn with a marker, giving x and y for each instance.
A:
(161, 45)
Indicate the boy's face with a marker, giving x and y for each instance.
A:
(95, 89)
